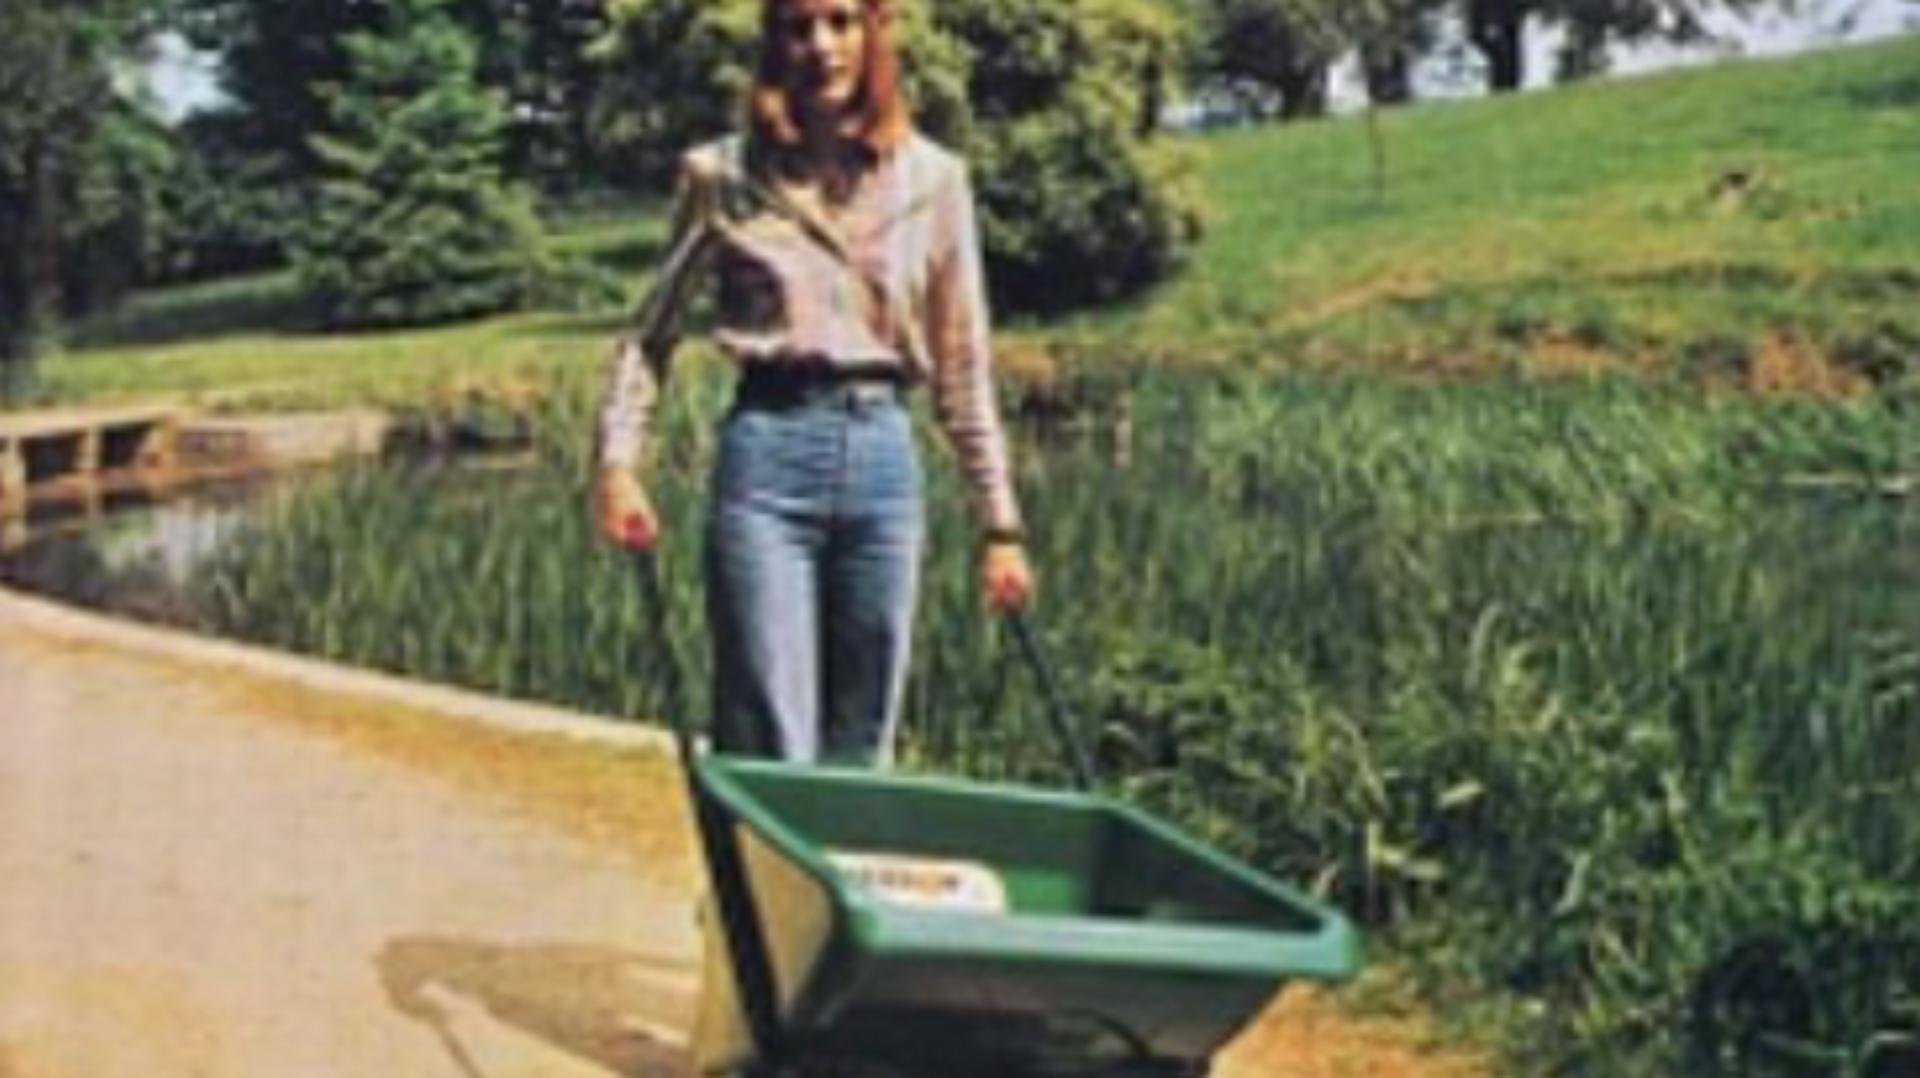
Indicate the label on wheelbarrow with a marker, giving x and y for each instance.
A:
(926, 882)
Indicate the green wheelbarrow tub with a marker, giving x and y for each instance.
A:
(1124, 946)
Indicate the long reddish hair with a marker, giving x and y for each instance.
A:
(880, 120)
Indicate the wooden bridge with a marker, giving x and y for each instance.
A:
(83, 456)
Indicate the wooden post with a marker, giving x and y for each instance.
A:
(89, 456)
(84, 456)
(160, 456)
(13, 479)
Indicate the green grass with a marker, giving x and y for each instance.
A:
(1568, 685)
(248, 343)
(1586, 217)
(1566, 230)
(1559, 686)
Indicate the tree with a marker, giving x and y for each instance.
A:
(277, 58)
(114, 227)
(58, 107)
(1390, 35)
(536, 53)
(413, 221)
(1276, 54)
(673, 72)
(1272, 55)
(226, 209)
(1080, 203)
(1498, 29)
(1055, 102)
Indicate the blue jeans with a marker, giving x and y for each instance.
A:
(813, 553)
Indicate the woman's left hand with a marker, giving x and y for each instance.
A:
(1006, 577)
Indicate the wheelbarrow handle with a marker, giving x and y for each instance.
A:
(1070, 745)
(748, 951)
(673, 689)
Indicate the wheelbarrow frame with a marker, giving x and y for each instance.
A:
(1239, 963)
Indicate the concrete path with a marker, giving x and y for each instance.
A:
(218, 862)
(212, 867)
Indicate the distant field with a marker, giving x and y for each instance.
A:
(1749, 215)
(1754, 222)
(247, 343)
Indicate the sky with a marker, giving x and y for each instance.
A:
(1823, 22)
(1813, 24)
(184, 80)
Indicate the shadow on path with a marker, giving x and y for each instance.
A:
(495, 1007)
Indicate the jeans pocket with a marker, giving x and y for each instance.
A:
(893, 462)
(744, 462)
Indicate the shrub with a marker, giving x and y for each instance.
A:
(1079, 203)
(413, 222)
(226, 207)
(1053, 101)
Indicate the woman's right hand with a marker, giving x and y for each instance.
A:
(625, 515)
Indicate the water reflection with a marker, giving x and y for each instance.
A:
(128, 553)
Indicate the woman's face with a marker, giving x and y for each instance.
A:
(825, 46)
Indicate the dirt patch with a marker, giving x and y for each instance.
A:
(1555, 356)
(1398, 287)
(1306, 1033)
(1791, 364)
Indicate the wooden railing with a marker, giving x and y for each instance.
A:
(83, 456)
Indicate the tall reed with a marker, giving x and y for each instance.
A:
(1565, 681)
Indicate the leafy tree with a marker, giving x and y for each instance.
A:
(1272, 55)
(1592, 25)
(1390, 35)
(275, 60)
(413, 221)
(536, 53)
(278, 57)
(1498, 29)
(1054, 101)
(1079, 202)
(224, 210)
(1275, 55)
(63, 127)
(115, 226)
(675, 72)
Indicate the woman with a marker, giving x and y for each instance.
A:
(848, 261)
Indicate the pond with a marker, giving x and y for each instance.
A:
(133, 555)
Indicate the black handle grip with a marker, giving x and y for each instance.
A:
(1076, 753)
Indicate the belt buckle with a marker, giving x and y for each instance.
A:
(867, 393)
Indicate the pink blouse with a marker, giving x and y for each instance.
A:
(909, 291)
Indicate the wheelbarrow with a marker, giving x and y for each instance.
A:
(923, 927)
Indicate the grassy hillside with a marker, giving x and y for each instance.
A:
(245, 342)
(1756, 221)
(1752, 215)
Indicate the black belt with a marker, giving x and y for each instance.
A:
(777, 384)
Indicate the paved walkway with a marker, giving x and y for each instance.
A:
(217, 862)
(214, 868)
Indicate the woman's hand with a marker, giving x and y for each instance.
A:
(1006, 577)
(625, 515)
